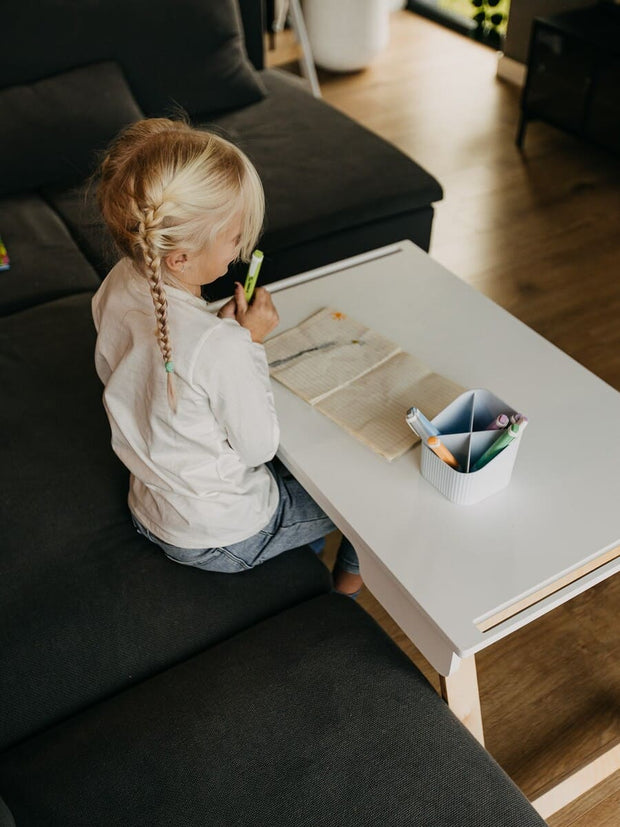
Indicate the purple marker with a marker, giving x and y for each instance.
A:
(519, 419)
(498, 423)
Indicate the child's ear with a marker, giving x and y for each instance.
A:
(176, 261)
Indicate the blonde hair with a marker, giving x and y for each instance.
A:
(165, 186)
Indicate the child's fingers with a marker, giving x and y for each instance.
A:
(242, 302)
(263, 305)
(262, 298)
(228, 310)
(261, 317)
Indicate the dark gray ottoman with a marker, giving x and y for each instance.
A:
(312, 718)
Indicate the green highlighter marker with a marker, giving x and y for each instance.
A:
(252, 276)
(503, 440)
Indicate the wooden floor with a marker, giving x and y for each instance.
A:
(537, 232)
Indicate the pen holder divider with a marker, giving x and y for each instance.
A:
(459, 447)
(457, 419)
(463, 427)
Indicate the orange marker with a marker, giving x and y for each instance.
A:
(437, 447)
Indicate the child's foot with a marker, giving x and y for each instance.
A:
(347, 583)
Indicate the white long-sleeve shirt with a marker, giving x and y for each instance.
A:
(197, 476)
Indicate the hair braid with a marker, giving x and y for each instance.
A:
(152, 261)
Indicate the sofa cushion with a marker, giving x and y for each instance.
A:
(318, 252)
(333, 188)
(178, 53)
(322, 172)
(87, 606)
(45, 262)
(77, 207)
(312, 718)
(52, 130)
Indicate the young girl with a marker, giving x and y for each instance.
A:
(187, 392)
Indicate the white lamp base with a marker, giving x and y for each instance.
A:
(346, 35)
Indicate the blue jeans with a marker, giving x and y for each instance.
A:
(297, 521)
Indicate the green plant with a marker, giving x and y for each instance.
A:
(488, 18)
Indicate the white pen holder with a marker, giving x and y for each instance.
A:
(462, 427)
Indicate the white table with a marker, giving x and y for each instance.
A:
(458, 578)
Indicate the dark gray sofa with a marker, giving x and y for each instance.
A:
(134, 691)
(333, 188)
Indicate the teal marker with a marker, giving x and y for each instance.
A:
(252, 276)
(502, 441)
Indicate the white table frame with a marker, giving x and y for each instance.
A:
(458, 578)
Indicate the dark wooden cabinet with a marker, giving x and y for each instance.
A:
(573, 78)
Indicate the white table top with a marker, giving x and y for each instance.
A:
(453, 565)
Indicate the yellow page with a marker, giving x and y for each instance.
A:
(324, 353)
(373, 407)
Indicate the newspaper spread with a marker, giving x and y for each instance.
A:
(358, 378)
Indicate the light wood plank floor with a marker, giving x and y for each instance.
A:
(538, 233)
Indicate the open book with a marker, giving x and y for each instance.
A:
(358, 378)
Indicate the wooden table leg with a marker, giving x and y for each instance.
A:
(460, 691)
(600, 766)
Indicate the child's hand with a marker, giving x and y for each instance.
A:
(228, 310)
(260, 317)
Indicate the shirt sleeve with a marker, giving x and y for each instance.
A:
(101, 365)
(232, 371)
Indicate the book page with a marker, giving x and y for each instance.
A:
(358, 378)
(373, 408)
(324, 353)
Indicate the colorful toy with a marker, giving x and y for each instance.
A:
(4, 257)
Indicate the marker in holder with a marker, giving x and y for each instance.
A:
(420, 425)
(463, 428)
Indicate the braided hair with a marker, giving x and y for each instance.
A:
(152, 260)
(166, 186)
